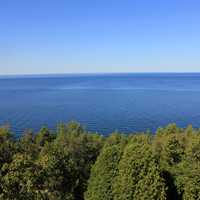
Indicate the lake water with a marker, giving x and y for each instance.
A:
(102, 103)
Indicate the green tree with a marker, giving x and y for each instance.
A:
(44, 136)
(7, 146)
(59, 175)
(17, 178)
(139, 174)
(105, 169)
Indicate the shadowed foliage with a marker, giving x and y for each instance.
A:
(70, 163)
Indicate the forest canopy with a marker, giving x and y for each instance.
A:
(70, 163)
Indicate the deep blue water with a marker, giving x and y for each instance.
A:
(102, 103)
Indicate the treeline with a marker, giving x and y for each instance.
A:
(73, 164)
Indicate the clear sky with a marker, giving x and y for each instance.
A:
(76, 36)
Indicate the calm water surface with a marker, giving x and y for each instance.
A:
(102, 103)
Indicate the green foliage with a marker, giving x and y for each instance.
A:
(7, 146)
(84, 149)
(47, 165)
(192, 185)
(105, 169)
(18, 178)
(73, 164)
(59, 174)
(26, 144)
(44, 136)
(139, 174)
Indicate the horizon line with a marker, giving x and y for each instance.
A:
(96, 73)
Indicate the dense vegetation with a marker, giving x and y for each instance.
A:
(72, 164)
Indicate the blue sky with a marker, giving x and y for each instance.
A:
(76, 36)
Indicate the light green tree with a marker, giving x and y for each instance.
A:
(139, 174)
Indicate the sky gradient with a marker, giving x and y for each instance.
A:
(83, 36)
